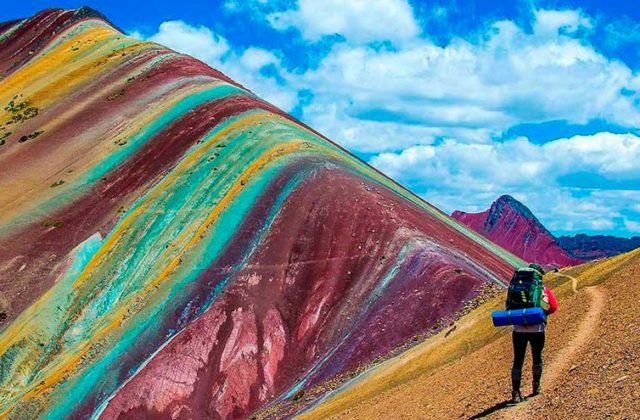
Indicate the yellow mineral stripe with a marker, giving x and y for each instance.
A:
(165, 183)
(143, 119)
(45, 79)
(55, 373)
(9, 335)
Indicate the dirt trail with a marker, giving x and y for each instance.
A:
(563, 358)
(585, 330)
(574, 281)
(591, 355)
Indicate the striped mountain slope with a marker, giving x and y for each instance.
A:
(174, 246)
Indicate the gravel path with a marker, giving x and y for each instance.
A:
(563, 359)
(591, 357)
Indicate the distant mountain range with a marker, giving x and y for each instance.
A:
(510, 224)
(588, 247)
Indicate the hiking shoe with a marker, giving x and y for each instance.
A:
(516, 398)
(537, 375)
(536, 389)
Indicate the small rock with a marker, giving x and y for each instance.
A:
(298, 395)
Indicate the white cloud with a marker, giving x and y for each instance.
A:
(632, 226)
(359, 21)
(601, 224)
(472, 167)
(432, 113)
(197, 41)
(516, 163)
(615, 156)
(365, 135)
(508, 77)
(459, 176)
(257, 58)
(620, 32)
(136, 34)
(231, 6)
(244, 66)
(552, 22)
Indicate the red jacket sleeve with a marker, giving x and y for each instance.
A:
(553, 302)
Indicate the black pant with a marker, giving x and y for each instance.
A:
(520, 341)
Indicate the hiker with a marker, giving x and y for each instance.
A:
(532, 334)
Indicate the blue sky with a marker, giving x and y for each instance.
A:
(459, 100)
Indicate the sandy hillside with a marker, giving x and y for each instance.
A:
(591, 360)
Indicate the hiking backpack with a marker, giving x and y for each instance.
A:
(525, 289)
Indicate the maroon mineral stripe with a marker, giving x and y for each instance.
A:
(200, 289)
(428, 289)
(137, 93)
(445, 234)
(204, 69)
(4, 26)
(327, 239)
(38, 32)
(31, 26)
(124, 98)
(96, 210)
(190, 67)
(30, 38)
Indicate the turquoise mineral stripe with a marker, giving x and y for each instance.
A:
(11, 30)
(85, 326)
(76, 389)
(240, 151)
(384, 282)
(122, 153)
(172, 114)
(48, 322)
(77, 29)
(183, 198)
(97, 49)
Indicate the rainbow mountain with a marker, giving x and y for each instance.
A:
(510, 224)
(174, 246)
